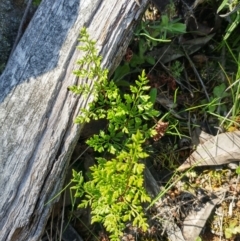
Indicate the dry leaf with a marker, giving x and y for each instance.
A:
(221, 149)
(171, 52)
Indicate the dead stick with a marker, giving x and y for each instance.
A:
(197, 74)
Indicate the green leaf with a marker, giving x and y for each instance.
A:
(146, 88)
(219, 91)
(232, 26)
(133, 89)
(177, 28)
(238, 170)
(153, 95)
(165, 20)
(123, 83)
(150, 60)
(121, 71)
(136, 60)
(138, 121)
(223, 4)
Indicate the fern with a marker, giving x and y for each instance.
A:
(115, 190)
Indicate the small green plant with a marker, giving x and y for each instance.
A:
(161, 31)
(170, 9)
(141, 57)
(232, 230)
(115, 190)
(176, 69)
(149, 35)
(215, 100)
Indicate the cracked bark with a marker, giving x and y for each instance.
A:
(37, 133)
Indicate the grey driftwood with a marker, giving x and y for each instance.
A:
(37, 134)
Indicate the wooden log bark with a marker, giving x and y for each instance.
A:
(37, 134)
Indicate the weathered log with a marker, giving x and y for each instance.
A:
(37, 134)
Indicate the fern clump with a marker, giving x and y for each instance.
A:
(115, 191)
